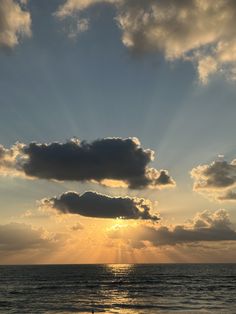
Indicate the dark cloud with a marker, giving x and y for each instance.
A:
(92, 204)
(228, 196)
(220, 174)
(206, 226)
(19, 237)
(2, 152)
(104, 159)
(163, 179)
(214, 179)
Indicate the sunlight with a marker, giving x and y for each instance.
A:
(118, 269)
(118, 224)
(114, 183)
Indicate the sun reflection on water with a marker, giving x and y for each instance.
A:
(120, 269)
(118, 297)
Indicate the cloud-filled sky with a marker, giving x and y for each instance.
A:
(117, 139)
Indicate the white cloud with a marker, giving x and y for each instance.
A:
(201, 31)
(206, 66)
(71, 7)
(9, 158)
(15, 23)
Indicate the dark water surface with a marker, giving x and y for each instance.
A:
(191, 288)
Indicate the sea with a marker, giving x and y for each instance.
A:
(118, 288)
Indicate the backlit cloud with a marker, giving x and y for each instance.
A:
(9, 159)
(205, 227)
(92, 204)
(15, 23)
(179, 29)
(228, 196)
(73, 6)
(216, 179)
(109, 161)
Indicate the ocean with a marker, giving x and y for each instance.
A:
(125, 289)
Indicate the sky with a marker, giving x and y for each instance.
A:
(117, 140)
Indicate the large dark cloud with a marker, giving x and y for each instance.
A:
(104, 159)
(206, 226)
(215, 178)
(92, 204)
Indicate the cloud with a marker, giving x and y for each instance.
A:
(215, 179)
(206, 66)
(205, 227)
(109, 161)
(228, 196)
(16, 237)
(92, 204)
(71, 7)
(15, 23)
(178, 29)
(8, 160)
(77, 226)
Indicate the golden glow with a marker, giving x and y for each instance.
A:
(114, 183)
(120, 268)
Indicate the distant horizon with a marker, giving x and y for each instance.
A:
(212, 263)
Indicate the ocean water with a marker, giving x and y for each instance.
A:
(126, 289)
